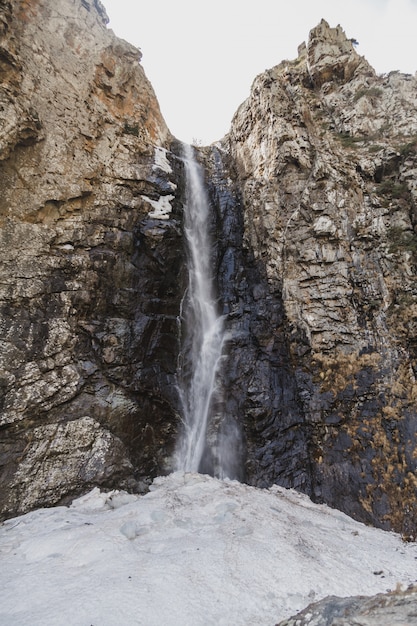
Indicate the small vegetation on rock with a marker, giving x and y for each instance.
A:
(401, 240)
(393, 188)
(131, 129)
(371, 93)
(409, 148)
(348, 141)
(375, 147)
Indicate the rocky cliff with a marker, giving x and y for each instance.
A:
(324, 152)
(89, 280)
(314, 208)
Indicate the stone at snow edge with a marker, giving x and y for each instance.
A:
(397, 608)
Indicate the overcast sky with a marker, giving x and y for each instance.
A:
(202, 56)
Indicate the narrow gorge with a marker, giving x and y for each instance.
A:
(311, 202)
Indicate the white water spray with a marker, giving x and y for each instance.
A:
(203, 326)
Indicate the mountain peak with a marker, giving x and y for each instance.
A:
(331, 55)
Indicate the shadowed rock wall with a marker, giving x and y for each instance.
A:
(262, 418)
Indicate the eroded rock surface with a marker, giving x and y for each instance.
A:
(324, 152)
(90, 264)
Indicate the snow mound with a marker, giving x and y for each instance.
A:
(194, 551)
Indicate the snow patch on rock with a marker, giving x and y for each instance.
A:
(161, 160)
(162, 207)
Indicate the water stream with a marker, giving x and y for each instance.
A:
(202, 327)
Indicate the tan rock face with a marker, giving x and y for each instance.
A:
(331, 56)
(82, 150)
(325, 153)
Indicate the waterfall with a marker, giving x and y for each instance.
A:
(202, 328)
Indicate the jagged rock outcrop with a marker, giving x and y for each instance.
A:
(90, 257)
(325, 156)
(396, 608)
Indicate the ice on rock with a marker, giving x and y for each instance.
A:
(161, 160)
(162, 207)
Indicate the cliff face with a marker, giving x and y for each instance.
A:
(314, 195)
(325, 155)
(89, 280)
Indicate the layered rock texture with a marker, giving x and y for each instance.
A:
(314, 211)
(89, 280)
(324, 152)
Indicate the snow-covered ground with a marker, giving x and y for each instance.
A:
(195, 551)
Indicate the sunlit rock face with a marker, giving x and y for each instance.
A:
(325, 158)
(90, 264)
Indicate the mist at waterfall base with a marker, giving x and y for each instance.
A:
(203, 337)
(194, 551)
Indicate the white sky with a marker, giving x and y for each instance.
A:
(195, 551)
(202, 56)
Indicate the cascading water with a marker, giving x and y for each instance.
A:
(202, 326)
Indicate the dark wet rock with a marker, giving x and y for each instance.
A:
(258, 382)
